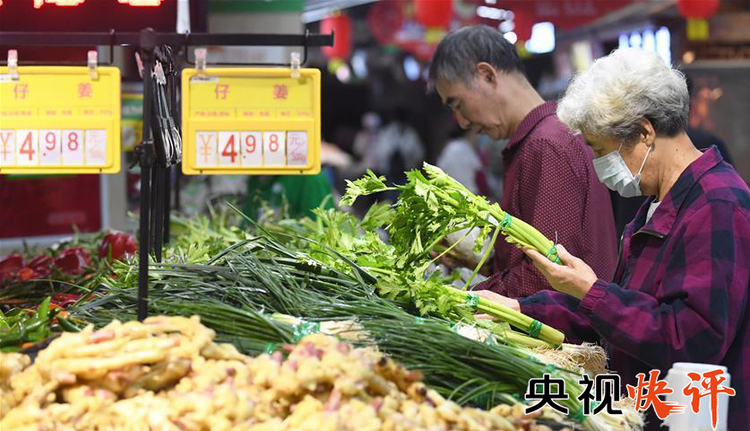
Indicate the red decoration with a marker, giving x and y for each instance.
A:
(41, 265)
(418, 48)
(433, 13)
(341, 25)
(73, 260)
(524, 23)
(564, 14)
(385, 19)
(701, 9)
(117, 245)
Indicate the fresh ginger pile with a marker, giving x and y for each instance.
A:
(167, 374)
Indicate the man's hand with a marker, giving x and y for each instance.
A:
(451, 262)
(573, 277)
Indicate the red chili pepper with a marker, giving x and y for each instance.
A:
(42, 265)
(118, 245)
(65, 299)
(9, 266)
(73, 260)
(11, 263)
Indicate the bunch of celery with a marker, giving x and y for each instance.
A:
(430, 208)
(358, 242)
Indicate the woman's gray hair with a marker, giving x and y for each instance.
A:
(611, 97)
(458, 54)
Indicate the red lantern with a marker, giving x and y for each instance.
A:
(385, 19)
(700, 9)
(341, 25)
(524, 24)
(433, 13)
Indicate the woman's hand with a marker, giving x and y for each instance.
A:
(496, 298)
(573, 277)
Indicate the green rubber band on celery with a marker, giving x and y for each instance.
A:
(472, 300)
(490, 340)
(594, 405)
(552, 255)
(455, 328)
(419, 320)
(578, 416)
(269, 348)
(304, 329)
(507, 219)
(535, 328)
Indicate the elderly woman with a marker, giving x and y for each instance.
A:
(680, 293)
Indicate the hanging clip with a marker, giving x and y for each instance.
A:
(295, 65)
(159, 75)
(13, 64)
(93, 65)
(139, 63)
(200, 60)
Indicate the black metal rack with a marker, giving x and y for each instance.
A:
(155, 173)
(149, 37)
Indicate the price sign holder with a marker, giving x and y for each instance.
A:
(59, 119)
(251, 121)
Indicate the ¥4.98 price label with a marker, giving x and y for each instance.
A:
(53, 147)
(251, 149)
(59, 120)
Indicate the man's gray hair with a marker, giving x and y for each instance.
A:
(459, 52)
(619, 90)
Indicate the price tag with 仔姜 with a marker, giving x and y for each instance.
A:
(251, 122)
(59, 120)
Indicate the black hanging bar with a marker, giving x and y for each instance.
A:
(167, 202)
(158, 209)
(147, 43)
(23, 38)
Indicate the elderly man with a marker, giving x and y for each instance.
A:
(550, 181)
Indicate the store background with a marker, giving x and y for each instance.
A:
(380, 66)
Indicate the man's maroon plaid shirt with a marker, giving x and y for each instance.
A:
(551, 184)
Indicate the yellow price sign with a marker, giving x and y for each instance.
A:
(132, 120)
(60, 120)
(258, 121)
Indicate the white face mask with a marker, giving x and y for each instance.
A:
(614, 173)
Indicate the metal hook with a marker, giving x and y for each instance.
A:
(295, 65)
(13, 64)
(200, 60)
(158, 74)
(304, 48)
(111, 46)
